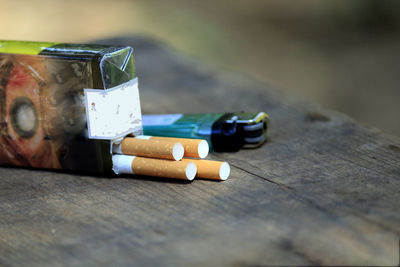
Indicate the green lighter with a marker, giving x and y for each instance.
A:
(223, 131)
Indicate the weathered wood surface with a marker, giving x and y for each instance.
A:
(323, 190)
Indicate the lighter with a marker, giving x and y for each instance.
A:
(224, 131)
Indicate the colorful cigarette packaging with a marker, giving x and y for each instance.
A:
(76, 107)
(63, 105)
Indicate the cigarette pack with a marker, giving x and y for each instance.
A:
(63, 105)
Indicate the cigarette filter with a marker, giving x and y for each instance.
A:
(184, 170)
(223, 131)
(194, 148)
(61, 105)
(150, 147)
(210, 169)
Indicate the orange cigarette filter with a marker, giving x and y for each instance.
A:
(184, 170)
(153, 148)
(210, 169)
(194, 148)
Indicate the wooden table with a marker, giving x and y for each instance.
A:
(323, 190)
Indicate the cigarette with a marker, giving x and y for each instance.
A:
(184, 170)
(210, 169)
(153, 148)
(194, 148)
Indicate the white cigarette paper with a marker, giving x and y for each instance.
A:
(154, 167)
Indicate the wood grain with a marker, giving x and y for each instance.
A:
(323, 190)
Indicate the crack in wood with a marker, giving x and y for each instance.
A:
(264, 178)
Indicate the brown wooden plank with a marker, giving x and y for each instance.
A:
(323, 190)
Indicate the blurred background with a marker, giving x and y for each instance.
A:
(344, 55)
